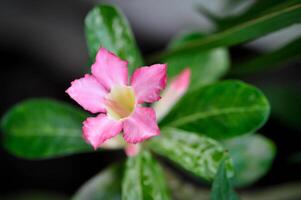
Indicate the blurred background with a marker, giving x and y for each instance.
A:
(43, 48)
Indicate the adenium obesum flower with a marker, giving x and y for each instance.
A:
(171, 95)
(118, 101)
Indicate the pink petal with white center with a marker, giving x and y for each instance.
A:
(116, 142)
(88, 93)
(109, 69)
(141, 125)
(148, 82)
(132, 149)
(173, 93)
(96, 130)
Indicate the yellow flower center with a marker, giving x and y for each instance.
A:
(120, 102)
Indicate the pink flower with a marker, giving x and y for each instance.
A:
(171, 95)
(132, 149)
(117, 100)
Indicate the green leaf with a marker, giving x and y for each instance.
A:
(144, 179)
(285, 101)
(43, 128)
(104, 186)
(181, 189)
(206, 66)
(257, 9)
(221, 188)
(195, 153)
(278, 17)
(221, 110)
(252, 157)
(270, 60)
(106, 26)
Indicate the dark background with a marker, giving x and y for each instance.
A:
(42, 48)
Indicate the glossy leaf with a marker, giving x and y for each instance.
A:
(278, 18)
(257, 9)
(104, 186)
(195, 153)
(144, 179)
(222, 188)
(181, 189)
(270, 60)
(221, 110)
(43, 128)
(206, 66)
(107, 27)
(252, 157)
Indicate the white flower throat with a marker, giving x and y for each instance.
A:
(120, 102)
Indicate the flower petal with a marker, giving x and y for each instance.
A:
(88, 93)
(148, 82)
(172, 93)
(132, 149)
(116, 142)
(97, 130)
(141, 125)
(109, 69)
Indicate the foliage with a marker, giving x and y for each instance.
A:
(252, 157)
(272, 19)
(104, 186)
(43, 128)
(107, 27)
(197, 153)
(206, 67)
(287, 53)
(144, 179)
(222, 188)
(209, 132)
(221, 110)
